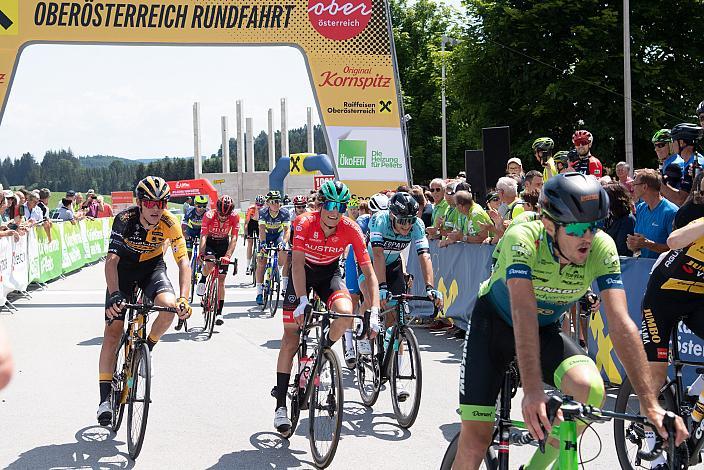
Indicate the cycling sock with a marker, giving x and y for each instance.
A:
(348, 339)
(650, 443)
(284, 282)
(151, 342)
(220, 306)
(105, 385)
(259, 289)
(282, 380)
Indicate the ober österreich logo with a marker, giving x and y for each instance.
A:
(339, 21)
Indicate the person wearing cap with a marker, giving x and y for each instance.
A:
(514, 167)
(685, 138)
(104, 210)
(473, 221)
(70, 195)
(65, 211)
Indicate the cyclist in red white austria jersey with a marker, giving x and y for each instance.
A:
(320, 239)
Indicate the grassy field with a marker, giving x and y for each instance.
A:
(56, 197)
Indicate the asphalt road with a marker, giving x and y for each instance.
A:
(211, 404)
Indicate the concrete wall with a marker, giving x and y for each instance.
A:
(256, 183)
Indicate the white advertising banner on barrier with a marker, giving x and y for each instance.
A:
(368, 153)
(5, 268)
(33, 256)
(19, 278)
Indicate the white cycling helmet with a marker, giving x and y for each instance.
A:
(378, 202)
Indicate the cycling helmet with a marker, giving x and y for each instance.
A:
(335, 191)
(200, 199)
(700, 108)
(259, 200)
(354, 202)
(273, 196)
(153, 188)
(562, 157)
(299, 200)
(582, 136)
(573, 197)
(543, 144)
(403, 206)
(225, 205)
(378, 202)
(688, 132)
(663, 135)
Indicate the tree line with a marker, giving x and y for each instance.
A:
(61, 170)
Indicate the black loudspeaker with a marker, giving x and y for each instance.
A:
(497, 150)
(474, 167)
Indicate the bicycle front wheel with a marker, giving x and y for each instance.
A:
(119, 387)
(213, 296)
(630, 437)
(369, 373)
(274, 294)
(326, 402)
(139, 399)
(406, 377)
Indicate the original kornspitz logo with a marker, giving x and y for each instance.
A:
(339, 21)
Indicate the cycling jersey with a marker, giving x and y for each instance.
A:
(135, 244)
(382, 234)
(549, 170)
(251, 214)
(688, 176)
(526, 252)
(320, 250)
(351, 274)
(192, 220)
(215, 228)
(683, 269)
(589, 166)
(273, 224)
(439, 210)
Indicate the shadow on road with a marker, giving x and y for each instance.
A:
(97, 341)
(274, 344)
(66, 305)
(95, 447)
(269, 451)
(440, 341)
(450, 430)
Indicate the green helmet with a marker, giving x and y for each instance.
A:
(663, 135)
(543, 143)
(200, 199)
(273, 196)
(335, 191)
(561, 157)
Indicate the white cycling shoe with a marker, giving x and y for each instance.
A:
(282, 423)
(200, 289)
(104, 414)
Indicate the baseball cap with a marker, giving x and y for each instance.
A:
(70, 193)
(8, 193)
(91, 191)
(514, 160)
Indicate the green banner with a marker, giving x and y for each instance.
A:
(48, 259)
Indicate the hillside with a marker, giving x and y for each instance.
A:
(104, 161)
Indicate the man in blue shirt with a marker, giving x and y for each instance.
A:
(654, 216)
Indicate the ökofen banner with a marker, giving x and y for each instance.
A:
(346, 43)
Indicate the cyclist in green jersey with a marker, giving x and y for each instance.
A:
(543, 267)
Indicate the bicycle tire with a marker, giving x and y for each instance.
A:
(213, 296)
(140, 364)
(635, 431)
(194, 277)
(275, 295)
(266, 288)
(368, 369)
(405, 336)
(118, 387)
(491, 461)
(330, 408)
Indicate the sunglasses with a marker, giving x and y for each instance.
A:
(341, 207)
(201, 206)
(660, 145)
(578, 229)
(300, 207)
(152, 204)
(436, 190)
(274, 201)
(405, 221)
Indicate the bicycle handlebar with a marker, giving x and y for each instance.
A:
(144, 308)
(422, 298)
(332, 314)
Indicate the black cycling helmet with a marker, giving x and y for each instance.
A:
(573, 197)
(686, 131)
(700, 108)
(403, 206)
(153, 188)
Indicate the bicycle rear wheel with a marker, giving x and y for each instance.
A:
(326, 402)
(139, 400)
(274, 294)
(369, 373)
(406, 377)
(629, 437)
(213, 296)
(119, 386)
(491, 462)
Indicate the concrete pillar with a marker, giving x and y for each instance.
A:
(271, 140)
(311, 146)
(250, 147)
(197, 162)
(240, 138)
(284, 128)
(225, 145)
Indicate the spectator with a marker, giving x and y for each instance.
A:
(70, 195)
(693, 207)
(664, 149)
(623, 173)
(654, 216)
(440, 206)
(364, 207)
(428, 196)
(473, 223)
(32, 211)
(44, 195)
(451, 221)
(588, 164)
(91, 206)
(533, 182)
(78, 204)
(493, 201)
(462, 176)
(104, 210)
(514, 167)
(12, 212)
(621, 222)
(684, 137)
(85, 205)
(425, 210)
(187, 204)
(403, 189)
(66, 211)
(511, 204)
(530, 202)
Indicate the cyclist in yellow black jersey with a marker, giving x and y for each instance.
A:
(136, 256)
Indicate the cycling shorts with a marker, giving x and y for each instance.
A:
(253, 228)
(325, 280)
(395, 279)
(661, 310)
(217, 247)
(150, 277)
(490, 348)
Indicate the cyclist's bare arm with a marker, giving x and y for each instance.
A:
(629, 348)
(287, 232)
(372, 282)
(685, 236)
(298, 272)
(184, 277)
(676, 196)
(233, 244)
(426, 267)
(262, 234)
(6, 364)
(201, 247)
(379, 263)
(112, 280)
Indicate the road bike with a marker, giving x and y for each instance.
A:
(317, 383)
(131, 378)
(211, 299)
(195, 265)
(252, 268)
(629, 437)
(511, 432)
(393, 357)
(271, 285)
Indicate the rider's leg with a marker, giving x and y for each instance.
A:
(283, 262)
(106, 363)
(164, 319)
(261, 264)
(475, 438)
(340, 302)
(250, 246)
(289, 344)
(349, 340)
(221, 293)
